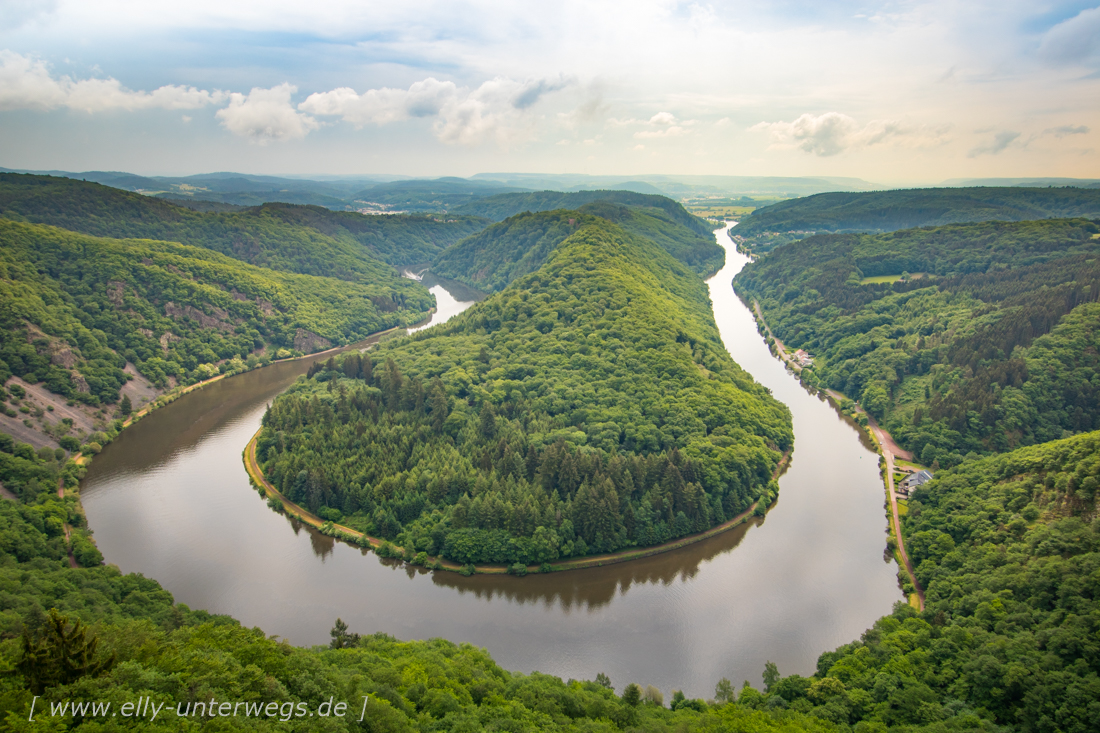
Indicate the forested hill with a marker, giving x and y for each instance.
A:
(304, 239)
(502, 206)
(521, 243)
(74, 309)
(512, 248)
(883, 211)
(994, 347)
(1008, 550)
(588, 407)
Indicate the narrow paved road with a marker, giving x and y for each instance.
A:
(883, 436)
(889, 449)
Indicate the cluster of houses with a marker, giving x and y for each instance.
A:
(802, 359)
(912, 481)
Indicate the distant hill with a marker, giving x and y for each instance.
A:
(500, 207)
(509, 249)
(76, 308)
(520, 244)
(308, 240)
(684, 186)
(1025, 182)
(204, 206)
(263, 196)
(240, 189)
(635, 186)
(883, 211)
(439, 195)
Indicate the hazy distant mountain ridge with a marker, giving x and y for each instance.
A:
(308, 240)
(882, 211)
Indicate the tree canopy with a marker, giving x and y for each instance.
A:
(588, 407)
(993, 347)
(74, 309)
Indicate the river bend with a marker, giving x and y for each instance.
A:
(170, 499)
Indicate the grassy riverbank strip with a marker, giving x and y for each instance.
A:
(878, 437)
(339, 531)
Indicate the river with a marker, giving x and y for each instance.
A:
(170, 499)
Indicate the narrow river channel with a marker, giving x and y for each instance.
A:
(170, 499)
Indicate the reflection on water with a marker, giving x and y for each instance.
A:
(591, 588)
(170, 499)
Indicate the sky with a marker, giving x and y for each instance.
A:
(892, 92)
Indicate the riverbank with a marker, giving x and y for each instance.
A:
(83, 461)
(175, 393)
(360, 539)
(884, 444)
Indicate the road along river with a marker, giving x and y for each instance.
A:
(170, 499)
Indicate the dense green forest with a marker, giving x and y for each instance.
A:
(589, 407)
(74, 309)
(883, 211)
(520, 244)
(304, 239)
(993, 348)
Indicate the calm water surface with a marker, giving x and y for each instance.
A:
(170, 499)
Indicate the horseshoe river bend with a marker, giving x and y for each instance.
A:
(170, 499)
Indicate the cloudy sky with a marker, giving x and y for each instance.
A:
(893, 92)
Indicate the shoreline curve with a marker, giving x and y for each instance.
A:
(351, 536)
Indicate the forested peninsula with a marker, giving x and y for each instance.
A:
(588, 407)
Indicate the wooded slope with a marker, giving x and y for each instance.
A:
(74, 309)
(996, 348)
(590, 406)
(521, 243)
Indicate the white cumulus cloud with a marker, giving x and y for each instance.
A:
(381, 106)
(266, 115)
(26, 83)
(830, 133)
(663, 124)
(499, 109)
